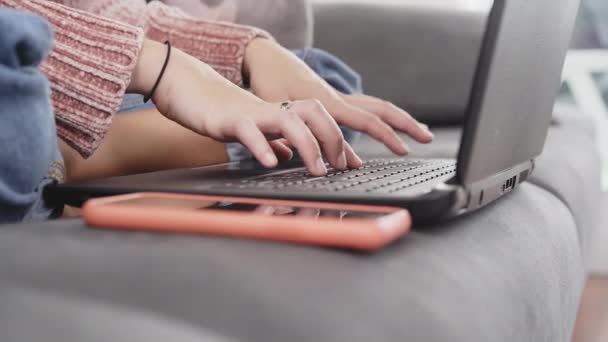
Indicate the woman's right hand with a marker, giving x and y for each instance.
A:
(192, 94)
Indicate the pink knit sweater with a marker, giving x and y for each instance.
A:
(97, 44)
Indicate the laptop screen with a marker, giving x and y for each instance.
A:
(517, 81)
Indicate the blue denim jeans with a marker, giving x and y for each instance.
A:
(337, 73)
(29, 154)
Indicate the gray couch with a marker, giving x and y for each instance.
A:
(511, 272)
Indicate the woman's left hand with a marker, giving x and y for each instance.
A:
(275, 74)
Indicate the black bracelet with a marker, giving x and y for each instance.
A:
(162, 72)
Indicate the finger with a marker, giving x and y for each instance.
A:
(284, 142)
(364, 121)
(393, 115)
(353, 160)
(295, 130)
(325, 129)
(250, 135)
(377, 129)
(380, 131)
(281, 150)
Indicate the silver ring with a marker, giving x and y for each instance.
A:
(286, 105)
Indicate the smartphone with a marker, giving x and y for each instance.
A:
(358, 227)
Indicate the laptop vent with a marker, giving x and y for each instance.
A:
(509, 184)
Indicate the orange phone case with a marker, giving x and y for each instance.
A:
(354, 233)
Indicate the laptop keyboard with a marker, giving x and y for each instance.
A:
(378, 176)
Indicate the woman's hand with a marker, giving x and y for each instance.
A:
(276, 74)
(192, 94)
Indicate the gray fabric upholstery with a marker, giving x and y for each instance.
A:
(511, 272)
(518, 260)
(289, 21)
(570, 168)
(38, 315)
(432, 51)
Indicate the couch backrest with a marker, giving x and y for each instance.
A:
(289, 21)
(414, 53)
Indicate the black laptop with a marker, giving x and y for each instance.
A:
(517, 79)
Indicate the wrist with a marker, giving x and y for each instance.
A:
(149, 64)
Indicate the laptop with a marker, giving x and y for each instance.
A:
(516, 82)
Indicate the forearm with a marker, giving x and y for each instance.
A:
(154, 143)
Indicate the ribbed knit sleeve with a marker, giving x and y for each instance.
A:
(220, 44)
(89, 69)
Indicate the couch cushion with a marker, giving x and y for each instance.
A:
(570, 168)
(33, 315)
(511, 272)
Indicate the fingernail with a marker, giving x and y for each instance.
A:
(321, 166)
(426, 129)
(358, 160)
(342, 164)
(270, 159)
(406, 148)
